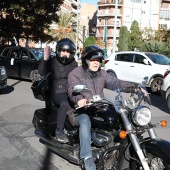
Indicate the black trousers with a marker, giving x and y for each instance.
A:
(61, 99)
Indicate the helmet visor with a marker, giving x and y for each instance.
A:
(99, 56)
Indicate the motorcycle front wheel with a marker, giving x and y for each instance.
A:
(155, 162)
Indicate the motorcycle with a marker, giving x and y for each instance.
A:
(118, 128)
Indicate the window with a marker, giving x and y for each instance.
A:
(124, 57)
(163, 26)
(106, 21)
(14, 54)
(139, 59)
(136, 1)
(24, 55)
(5, 53)
(165, 14)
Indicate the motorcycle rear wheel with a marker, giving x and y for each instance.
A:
(155, 161)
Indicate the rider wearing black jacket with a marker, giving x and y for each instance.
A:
(60, 65)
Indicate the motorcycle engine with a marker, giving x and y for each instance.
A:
(100, 138)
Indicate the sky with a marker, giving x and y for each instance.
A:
(89, 1)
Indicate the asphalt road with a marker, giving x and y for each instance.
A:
(20, 148)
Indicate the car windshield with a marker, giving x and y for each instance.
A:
(38, 53)
(159, 59)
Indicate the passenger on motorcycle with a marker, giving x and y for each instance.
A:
(96, 79)
(59, 65)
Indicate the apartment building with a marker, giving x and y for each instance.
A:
(148, 13)
(88, 20)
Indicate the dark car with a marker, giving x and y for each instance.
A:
(3, 78)
(21, 62)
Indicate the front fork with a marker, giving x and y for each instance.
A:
(134, 139)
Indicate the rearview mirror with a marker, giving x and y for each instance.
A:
(79, 88)
(145, 61)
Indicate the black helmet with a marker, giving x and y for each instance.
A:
(65, 44)
(91, 52)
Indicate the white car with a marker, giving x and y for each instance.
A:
(133, 66)
(165, 89)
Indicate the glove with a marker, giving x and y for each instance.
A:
(145, 95)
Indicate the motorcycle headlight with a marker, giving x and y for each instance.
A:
(2, 71)
(141, 116)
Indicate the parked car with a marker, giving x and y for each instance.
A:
(165, 89)
(134, 66)
(21, 62)
(3, 78)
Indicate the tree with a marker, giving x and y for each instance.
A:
(28, 19)
(64, 29)
(148, 34)
(135, 37)
(123, 39)
(156, 47)
(161, 35)
(89, 41)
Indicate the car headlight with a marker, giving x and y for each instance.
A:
(2, 71)
(141, 116)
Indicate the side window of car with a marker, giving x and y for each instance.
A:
(139, 59)
(14, 54)
(124, 57)
(24, 55)
(5, 52)
(32, 57)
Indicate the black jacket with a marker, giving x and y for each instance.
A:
(59, 73)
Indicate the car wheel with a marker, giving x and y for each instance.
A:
(112, 73)
(168, 103)
(34, 75)
(156, 85)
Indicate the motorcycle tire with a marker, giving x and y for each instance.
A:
(155, 161)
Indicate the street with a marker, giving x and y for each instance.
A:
(20, 148)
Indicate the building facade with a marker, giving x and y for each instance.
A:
(148, 13)
(88, 21)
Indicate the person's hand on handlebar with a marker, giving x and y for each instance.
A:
(145, 94)
(82, 102)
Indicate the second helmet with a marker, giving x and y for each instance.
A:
(65, 44)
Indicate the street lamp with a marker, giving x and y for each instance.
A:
(115, 26)
(105, 40)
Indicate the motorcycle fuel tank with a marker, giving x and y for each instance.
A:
(105, 119)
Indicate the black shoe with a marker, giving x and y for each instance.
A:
(60, 136)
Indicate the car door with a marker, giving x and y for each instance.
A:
(28, 62)
(13, 62)
(5, 60)
(140, 69)
(123, 67)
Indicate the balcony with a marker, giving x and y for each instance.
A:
(108, 35)
(74, 11)
(109, 3)
(107, 14)
(108, 25)
(74, 3)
